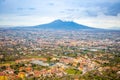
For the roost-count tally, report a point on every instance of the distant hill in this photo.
(62, 25)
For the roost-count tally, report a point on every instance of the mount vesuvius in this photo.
(62, 25)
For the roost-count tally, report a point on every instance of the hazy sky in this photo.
(94, 13)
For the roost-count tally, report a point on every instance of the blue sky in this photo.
(94, 13)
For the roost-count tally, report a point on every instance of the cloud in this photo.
(20, 8)
(24, 20)
(85, 10)
(31, 8)
(108, 7)
(101, 21)
(51, 4)
(1, 1)
(113, 9)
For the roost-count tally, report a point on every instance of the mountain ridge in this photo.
(62, 25)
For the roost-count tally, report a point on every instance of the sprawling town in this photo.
(59, 55)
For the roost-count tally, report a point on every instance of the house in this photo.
(28, 69)
(41, 63)
(37, 73)
(21, 75)
(3, 76)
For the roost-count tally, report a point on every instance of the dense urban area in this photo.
(34, 54)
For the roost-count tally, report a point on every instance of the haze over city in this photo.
(95, 13)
